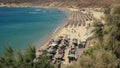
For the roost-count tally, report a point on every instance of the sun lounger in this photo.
(71, 57)
(59, 56)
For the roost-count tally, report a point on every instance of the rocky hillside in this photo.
(68, 3)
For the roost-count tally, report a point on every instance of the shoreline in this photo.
(77, 25)
(64, 9)
(44, 41)
(29, 5)
(52, 35)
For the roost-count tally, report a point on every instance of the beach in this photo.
(77, 26)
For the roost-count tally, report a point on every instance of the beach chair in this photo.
(71, 57)
(80, 45)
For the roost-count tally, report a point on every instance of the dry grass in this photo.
(66, 3)
(99, 59)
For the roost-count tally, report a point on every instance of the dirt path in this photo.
(66, 56)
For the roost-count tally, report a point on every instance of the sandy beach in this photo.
(78, 25)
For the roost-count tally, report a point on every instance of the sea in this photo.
(23, 27)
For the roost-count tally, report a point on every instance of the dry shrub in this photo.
(104, 59)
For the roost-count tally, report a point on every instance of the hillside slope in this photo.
(68, 3)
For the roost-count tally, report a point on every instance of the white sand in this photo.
(79, 32)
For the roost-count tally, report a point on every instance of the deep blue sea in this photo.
(20, 27)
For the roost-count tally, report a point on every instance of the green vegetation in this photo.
(106, 52)
(24, 59)
(44, 62)
(99, 31)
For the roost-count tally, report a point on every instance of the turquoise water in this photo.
(22, 26)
